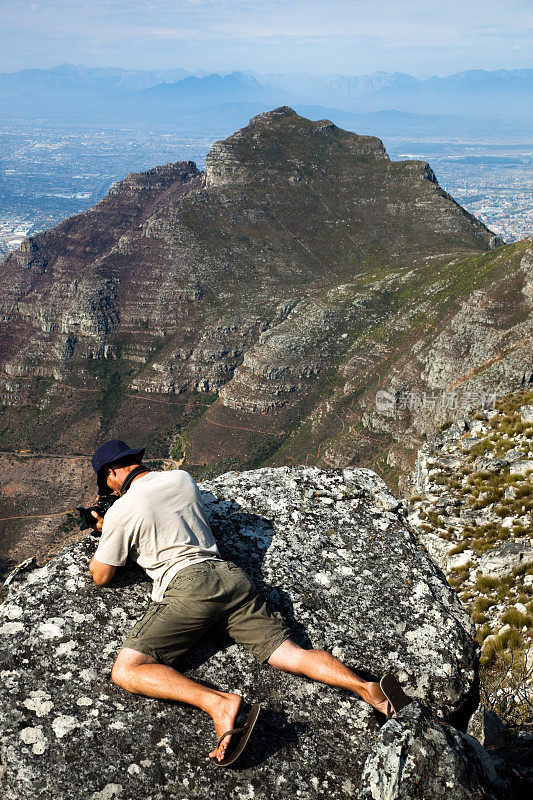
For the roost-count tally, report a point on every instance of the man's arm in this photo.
(102, 573)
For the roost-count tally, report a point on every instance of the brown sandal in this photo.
(233, 753)
(396, 697)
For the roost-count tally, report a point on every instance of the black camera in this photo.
(101, 507)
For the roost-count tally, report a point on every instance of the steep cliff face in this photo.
(491, 325)
(64, 284)
(245, 314)
(478, 348)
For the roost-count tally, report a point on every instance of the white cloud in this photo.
(351, 35)
(127, 32)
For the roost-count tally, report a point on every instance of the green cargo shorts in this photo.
(211, 595)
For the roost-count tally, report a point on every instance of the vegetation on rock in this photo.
(472, 504)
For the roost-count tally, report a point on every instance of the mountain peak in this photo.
(282, 145)
(281, 111)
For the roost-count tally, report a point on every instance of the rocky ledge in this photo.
(333, 555)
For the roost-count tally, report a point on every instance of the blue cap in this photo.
(108, 453)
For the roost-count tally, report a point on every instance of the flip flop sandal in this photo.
(396, 697)
(233, 752)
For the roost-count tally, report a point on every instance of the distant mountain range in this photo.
(471, 92)
(79, 94)
(69, 77)
(193, 92)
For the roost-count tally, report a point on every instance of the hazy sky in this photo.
(421, 37)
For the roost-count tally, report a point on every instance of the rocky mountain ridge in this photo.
(481, 353)
(145, 266)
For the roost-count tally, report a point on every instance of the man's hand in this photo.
(99, 521)
(102, 573)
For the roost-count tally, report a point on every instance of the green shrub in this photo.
(480, 448)
(506, 687)
(485, 584)
(501, 511)
(481, 545)
(507, 640)
(483, 603)
(515, 618)
(459, 548)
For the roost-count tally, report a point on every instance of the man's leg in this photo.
(323, 667)
(142, 674)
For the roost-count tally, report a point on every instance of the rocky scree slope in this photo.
(472, 506)
(334, 556)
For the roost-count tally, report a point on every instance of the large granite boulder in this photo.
(332, 554)
(418, 756)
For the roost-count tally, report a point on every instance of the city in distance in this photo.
(69, 133)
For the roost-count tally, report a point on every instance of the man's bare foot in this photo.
(375, 697)
(224, 715)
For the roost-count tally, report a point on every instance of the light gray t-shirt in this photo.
(161, 524)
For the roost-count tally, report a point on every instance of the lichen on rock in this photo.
(420, 756)
(332, 554)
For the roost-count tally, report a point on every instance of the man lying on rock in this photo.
(160, 523)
